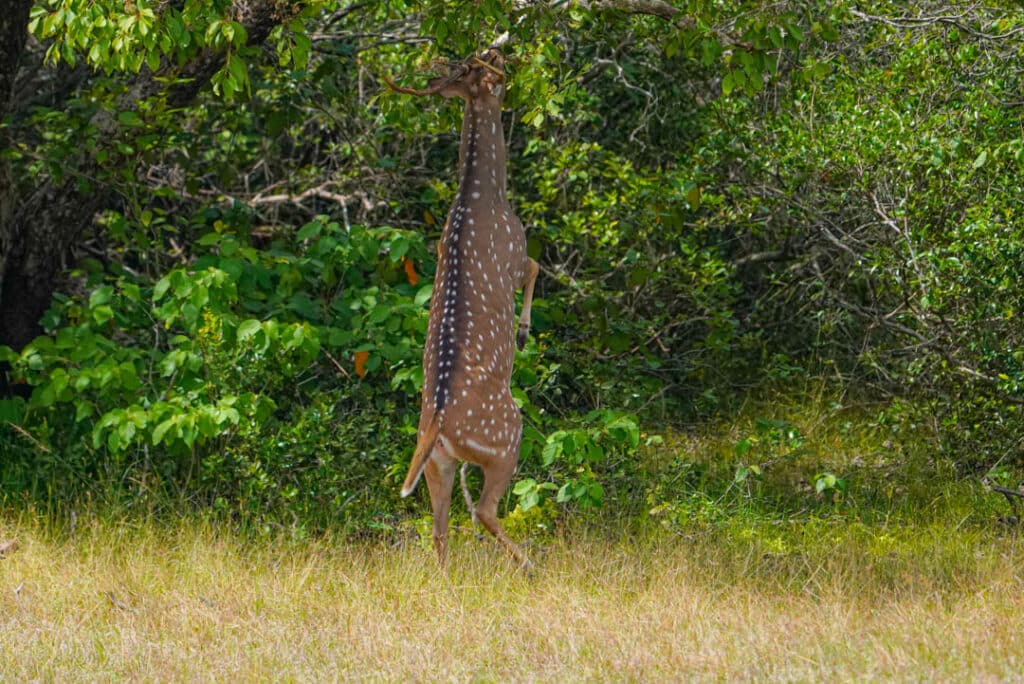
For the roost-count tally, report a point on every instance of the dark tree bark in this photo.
(13, 34)
(38, 229)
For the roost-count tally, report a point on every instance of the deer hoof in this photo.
(521, 338)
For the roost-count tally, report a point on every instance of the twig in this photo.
(1006, 491)
(1011, 496)
(337, 365)
(25, 433)
(116, 602)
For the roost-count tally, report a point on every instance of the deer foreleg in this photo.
(470, 506)
(532, 269)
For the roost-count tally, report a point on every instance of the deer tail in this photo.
(424, 445)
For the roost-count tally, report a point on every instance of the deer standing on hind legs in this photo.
(467, 412)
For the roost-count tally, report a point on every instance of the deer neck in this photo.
(482, 149)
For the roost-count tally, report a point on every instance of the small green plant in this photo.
(771, 442)
(569, 458)
(830, 486)
(1002, 475)
(530, 492)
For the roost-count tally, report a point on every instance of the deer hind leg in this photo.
(532, 269)
(498, 471)
(496, 479)
(440, 476)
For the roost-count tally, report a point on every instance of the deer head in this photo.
(475, 77)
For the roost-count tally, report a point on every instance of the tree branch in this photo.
(907, 22)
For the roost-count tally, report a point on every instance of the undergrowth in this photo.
(719, 556)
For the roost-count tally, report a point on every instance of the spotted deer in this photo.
(467, 411)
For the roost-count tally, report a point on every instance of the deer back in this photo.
(482, 260)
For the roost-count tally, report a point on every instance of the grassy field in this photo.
(805, 600)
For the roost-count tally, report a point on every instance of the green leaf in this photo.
(102, 314)
(101, 295)
(524, 486)
(12, 410)
(130, 119)
(43, 396)
(728, 83)
(131, 292)
(239, 71)
(161, 287)
(980, 160)
(264, 407)
(247, 329)
(423, 295)
(625, 430)
(83, 410)
(310, 230)
(552, 448)
(693, 198)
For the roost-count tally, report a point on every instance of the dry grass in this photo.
(196, 604)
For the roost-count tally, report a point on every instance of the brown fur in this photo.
(468, 413)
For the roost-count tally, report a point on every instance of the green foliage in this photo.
(889, 213)
(118, 37)
(208, 364)
(829, 485)
(731, 195)
(571, 456)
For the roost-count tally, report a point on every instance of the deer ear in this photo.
(497, 89)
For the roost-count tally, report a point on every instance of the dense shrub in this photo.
(761, 197)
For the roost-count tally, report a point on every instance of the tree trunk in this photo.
(13, 34)
(46, 226)
(39, 231)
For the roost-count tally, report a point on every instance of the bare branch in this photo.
(319, 191)
(907, 22)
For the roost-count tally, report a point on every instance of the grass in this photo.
(800, 601)
(909, 576)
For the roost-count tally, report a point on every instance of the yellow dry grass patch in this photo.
(195, 604)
